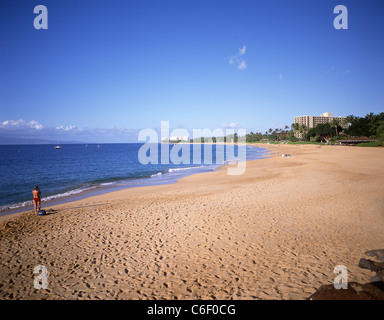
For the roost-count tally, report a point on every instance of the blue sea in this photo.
(80, 170)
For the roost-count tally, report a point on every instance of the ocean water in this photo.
(79, 170)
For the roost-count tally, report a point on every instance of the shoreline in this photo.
(275, 232)
(105, 189)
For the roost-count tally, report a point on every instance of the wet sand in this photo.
(275, 232)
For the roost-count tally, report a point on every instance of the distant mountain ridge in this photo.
(15, 140)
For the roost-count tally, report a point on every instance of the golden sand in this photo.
(275, 232)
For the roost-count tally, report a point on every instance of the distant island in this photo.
(18, 141)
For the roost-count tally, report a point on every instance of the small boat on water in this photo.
(57, 147)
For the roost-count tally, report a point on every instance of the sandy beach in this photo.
(275, 232)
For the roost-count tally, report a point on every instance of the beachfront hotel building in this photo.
(176, 138)
(179, 138)
(313, 121)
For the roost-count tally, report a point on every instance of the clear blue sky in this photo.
(103, 70)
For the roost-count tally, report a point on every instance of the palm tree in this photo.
(345, 123)
(335, 123)
(296, 127)
(277, 133)
(349, 119)
(286, 128)
(303, 129)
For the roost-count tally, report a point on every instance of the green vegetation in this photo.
(287, 142)
(324, 131)
(273, 135)
(228, 138)
(370, 126)
(370, 144)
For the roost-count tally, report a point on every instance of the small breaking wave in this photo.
(186, 168)
(156, 174)
(107, 183)
(52, 197)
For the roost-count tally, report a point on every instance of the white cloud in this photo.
(241, 64)
(68, 128)
(35, 125)
(14, 124)
(243, 50)
(231, 125)
(33, 129)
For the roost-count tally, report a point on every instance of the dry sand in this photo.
(275, 232)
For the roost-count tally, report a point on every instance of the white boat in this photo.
(57, 147)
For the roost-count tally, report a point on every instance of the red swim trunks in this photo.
(36, 199)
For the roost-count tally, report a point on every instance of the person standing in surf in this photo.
(36, 198)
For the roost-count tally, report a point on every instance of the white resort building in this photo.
(176, 139)
(313, 121)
